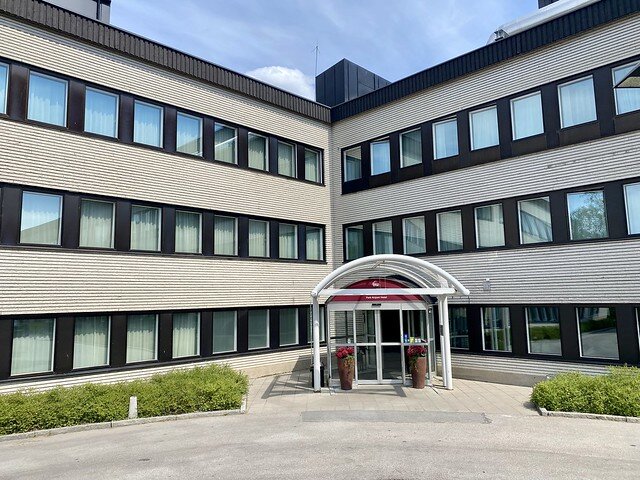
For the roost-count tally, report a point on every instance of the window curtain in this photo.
(145, 228)
(314, 244)
(258, 238)
(527, 116)
(352, 164)
(226, 139)
(411, 148)
(535, 221)
(100, 113)
(380, 157)
(414, 235)
(4, 81)
(147, 124)
(497, 329)
(450, 231)
(587, 215)
(286, 160)
(188, 232)
(446, 139)
(141, 338)
(189, 134)
(258, 325)
(383, 238)
(458, 327)
(91, 342)
(598, 333)
(47, 100)
(288, 326)
(257, 152)
(627, 99)
(288, 241)
(577, 103)
(224, 331)
(41, 215)
(311, 165)
(490, 226)
(186, 334)
(96, 224)
(544, 330)
(632, 196)
(224, 236)
(355, 243)
(484, 128)
(32, 350)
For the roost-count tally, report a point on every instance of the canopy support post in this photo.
(315, 315)
(445, 343)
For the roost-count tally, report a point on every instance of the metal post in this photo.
(315, 315)
(445, 342)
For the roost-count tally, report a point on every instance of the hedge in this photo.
(616, 393)
(200, 389)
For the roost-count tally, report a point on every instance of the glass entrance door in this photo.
(379, 346)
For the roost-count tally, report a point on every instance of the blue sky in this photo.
(273, 40)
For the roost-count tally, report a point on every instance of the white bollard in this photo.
(133, 407)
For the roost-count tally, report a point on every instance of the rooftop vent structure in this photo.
(95, 9)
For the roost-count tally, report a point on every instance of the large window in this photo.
(449, 226)
(577, 102)
(288, 241)
(32, 350)
(4, 87)
(186, 334)
(526, 116)
(145, 228)
(587, 215)
(258, 152)
(484, 128)
(458, 327)
(535, 220)
(286, 159)
(288, 326)
(258, 238)
(147, 124)
(312, 166)
(315, 244)
(496, 329)
(41, 218)
(411, 148)
(323, 325)
(632, 201)
(627, 99)
(414, 235)
(445, 139)
(142, 338)
(380, 157)
(352, 164)
(189, 134)
(382, 237)
(355, 242)
(598, 334)
(543, 330)
(188, 236)
(96, 224)
(91, 341)
(226, 141)
(489, 226)
(101, 113)
(258, 326)
(225, 327)
(225, 235)
(47, 99)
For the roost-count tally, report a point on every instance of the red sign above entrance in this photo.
(381, 283)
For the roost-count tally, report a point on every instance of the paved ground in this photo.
(286, 435)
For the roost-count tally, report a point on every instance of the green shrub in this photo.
(200, 389)
(617, 393)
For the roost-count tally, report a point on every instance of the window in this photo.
(189, 134)
(288, 241)
(258, 238)
(484, 128)
(445, 139)
(323, 326)
(411, 148)
(352, 164)
(587, 215)
(288, 326)
(355, 242)
(226, 141)
(186, 334)
(258, 152)
(489, 226)
(380, 157)
(225, 235)
(598, 334)
(526, 116)
(41, 218)
(543, 330)
(96, 224)
(91, 341)
(496, 326)
(382, 237)
(458, 327)
(258, 326)
(188, 237)
(142, 338)
(4, 87)
(315, 244)
(32, 350)
(47, 99)
(577, 102)
(101, 113)
(535, 220)
(632, 201)
(312, 170)
(225, 328)
(145, 228)
(449, 231)
(147, 124)
(414, 234)
(627, 99)
(286, 159)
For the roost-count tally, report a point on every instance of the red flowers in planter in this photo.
(417, 351)
(344, 352)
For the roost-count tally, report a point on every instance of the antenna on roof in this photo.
(317, 51)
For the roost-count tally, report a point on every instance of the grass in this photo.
(200, 389)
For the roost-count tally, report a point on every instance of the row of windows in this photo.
(587, 219)
(577, 104)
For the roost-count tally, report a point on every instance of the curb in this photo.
(592, 416)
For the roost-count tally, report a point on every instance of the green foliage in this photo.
(617, 393)
(201, 389)
(544, 332)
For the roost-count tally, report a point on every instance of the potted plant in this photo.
(417, 365)
(346, 364)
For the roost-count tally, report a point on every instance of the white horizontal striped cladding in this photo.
(34, 281)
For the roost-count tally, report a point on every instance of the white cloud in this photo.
(290, 79)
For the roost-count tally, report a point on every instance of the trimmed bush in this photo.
(198, 390)
(617, 393)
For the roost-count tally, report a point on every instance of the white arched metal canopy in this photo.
(431, 280)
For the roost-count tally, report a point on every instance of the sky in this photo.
(274, 40)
